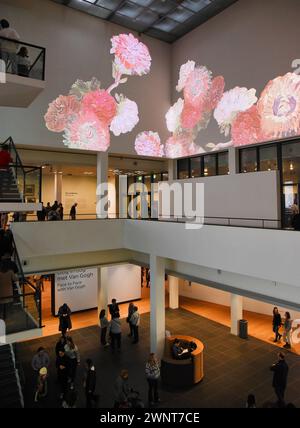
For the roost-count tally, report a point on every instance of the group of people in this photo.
(112, 330)
(8, 271)
(16, 59)
(55, 212)
(278, 322)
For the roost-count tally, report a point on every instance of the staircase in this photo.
(9, 191)
(11, 396)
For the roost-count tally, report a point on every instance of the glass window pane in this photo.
(147, 182)
(291, 162)
(210, 165)
(223, 163)
(165, 176)
(183, 168)
(196, 167)
(248, 160)
(268, 158)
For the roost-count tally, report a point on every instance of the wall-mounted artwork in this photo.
(89, 113)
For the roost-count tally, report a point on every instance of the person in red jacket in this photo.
(5, 158)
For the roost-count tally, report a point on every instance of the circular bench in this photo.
(182, 372)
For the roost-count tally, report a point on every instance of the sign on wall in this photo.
(77, 288)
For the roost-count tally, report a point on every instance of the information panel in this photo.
(77, 288)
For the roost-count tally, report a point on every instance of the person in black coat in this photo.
(89, 384)
(65, 322)
(280, 370)
(296, 222)
(62, 366)
(277, 323)
(114, 309)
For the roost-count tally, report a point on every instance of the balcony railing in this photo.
(23, 59)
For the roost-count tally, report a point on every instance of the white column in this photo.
(236, 313)
(157, 303)
(233, 161)
(173, 292)
(102, 289)
(58, 187)
(102, 178)
(172, 169)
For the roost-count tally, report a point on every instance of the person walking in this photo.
(152, 376)
(115, 332)
(280, 376)
(40, 359)
(60, 345)
(104, 323)
(89, 384)
(65, 322)
(287, 325)
(42, 385)
(135, 321)
(62, 366)
(277, 322)
(130, 312)
(114, 308)
(72, 353)
(121, 390)
(5, 158)
(73, 211)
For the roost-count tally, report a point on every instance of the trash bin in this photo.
(243, 329)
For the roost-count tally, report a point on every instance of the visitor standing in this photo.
(152, 376)
(121, 389)
(277, 322)
(60, 345)
(9, 48)
(40, 359)
(135, 321)
(73, 211)
(114, 308)
(280, 370)
(89, 384)
(130, 312)
(5, 158)
(115, 332)
(287, 330)
(65, 322)
(42, 385)
(104, 323)
(72, 352)
(62, 366)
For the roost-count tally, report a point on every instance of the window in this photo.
(196, 167)
(268, 158)
(165, 176)
(183, 169)
(223, 163)
(210, 165)
(248, 160)
(291, 162)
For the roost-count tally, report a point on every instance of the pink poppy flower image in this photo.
(127, 116)
(185, 71)
(87, 132)
(279, 107)
(131, 56)
(233, 102)
(190, 116)
(197, 86)
(174, 114)
(148, 144)
(102, 104)
(215, 93)
(246, 127)
(180, 145)
(60, 111)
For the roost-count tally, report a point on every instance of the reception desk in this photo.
(182, 372)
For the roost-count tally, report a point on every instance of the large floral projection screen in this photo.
(89, 113)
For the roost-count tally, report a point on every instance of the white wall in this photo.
(213, 295)
(250, 196)
(249, 43)
(78, 46)
(124, 283)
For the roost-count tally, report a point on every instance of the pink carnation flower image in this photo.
(102, 104)
(279, 107)
(185, 71)
(190, 116)
(246, 127)
(148, 144)
(87, 132)
(173, 115)
(131, 56)
(215, 93)
(127, 116)
(181, 145)
(60, 112)
(197, 86)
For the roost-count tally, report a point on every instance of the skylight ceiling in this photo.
(167, 20)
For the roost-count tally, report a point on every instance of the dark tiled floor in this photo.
(233, 367)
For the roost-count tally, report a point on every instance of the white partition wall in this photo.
(123, 282)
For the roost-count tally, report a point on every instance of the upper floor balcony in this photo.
(22, 72)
